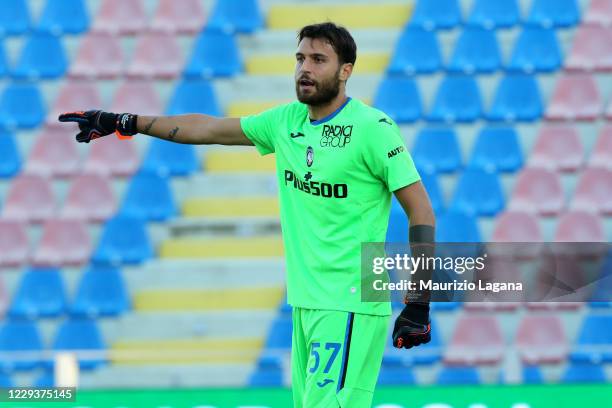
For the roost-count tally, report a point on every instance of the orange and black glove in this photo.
(96, 123)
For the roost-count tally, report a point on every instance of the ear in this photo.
(345, 71)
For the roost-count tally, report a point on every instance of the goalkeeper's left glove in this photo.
(412, 326)
(95, 124)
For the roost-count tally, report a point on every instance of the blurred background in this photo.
(159, 267)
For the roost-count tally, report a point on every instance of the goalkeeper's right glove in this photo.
(412, 326)
(96, 123)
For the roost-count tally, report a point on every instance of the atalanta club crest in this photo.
(309, 156)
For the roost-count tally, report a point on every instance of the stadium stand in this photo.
(476, 51)
(41, 293)
(15, 18)
(64, 242)
(494, 14)
(399, 98)
(64, 17)
(181, 278)
(157, 55)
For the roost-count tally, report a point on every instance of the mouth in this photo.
(306, 84)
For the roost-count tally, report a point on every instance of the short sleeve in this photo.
(260, 128)
(387, 156)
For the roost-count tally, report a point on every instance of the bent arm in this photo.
(194, 129)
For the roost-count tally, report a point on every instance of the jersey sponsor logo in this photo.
(395, 151)
(309, 156)
(294, 135)
(336, 135)
(315, 188)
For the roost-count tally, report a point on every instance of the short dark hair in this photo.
(338, 37)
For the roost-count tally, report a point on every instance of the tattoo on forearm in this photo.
(173, 133)
(149, 126)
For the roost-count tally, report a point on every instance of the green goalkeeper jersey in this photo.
(335, 179)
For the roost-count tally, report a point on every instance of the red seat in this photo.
(476, 340)
(112, 156)
(125, 17)
(516, 226)
(599, 12)
(580, 226)
(157, 55)
(541, 339)
(538, 190)
(74, 96)
(182, 17)
(558, 147)
(560, 279)
(601, 156)
(575, 97)
(502, 268)
(90, 198)
(14, 243)
(64, 242)
(30, 199)
(54, 154)
(594, 191)
(592, 49)
(99, 56)
(609, 111)
(137, 96)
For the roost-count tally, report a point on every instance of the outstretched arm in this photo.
(186, 129)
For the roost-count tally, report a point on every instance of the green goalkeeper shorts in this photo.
(336, 357)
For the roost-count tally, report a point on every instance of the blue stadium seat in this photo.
(399, 98)
(394, 371)
(14, 17)
(397, 230)
(536, 50)
(455, 226)
(595, 332)
(6, 381)
(457, 100)
(458, 376)
(64, 17)
(554, 13)
(4, 67)
(45, 380)
(430, 181)
(497, 149)
(600, 298)
(436, 14)
(101, 292)
(124, 241)
(21, 106)
(416, 52)
(584, 373)
(494, 14)
(436, 150)
(19, 335)
(174, 159)
(193, 96)
(279, 336)
(80, 334)
(478, 192)
(268, 373)
(41, 293)
(10, 160)
(215, 54)
(149, 197)
(517, 98)
(476, 51)
(43, 56)
(239, 15)
(532, 374)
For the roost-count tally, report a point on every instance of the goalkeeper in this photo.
(338, 161)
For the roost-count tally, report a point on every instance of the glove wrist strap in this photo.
(126, 125)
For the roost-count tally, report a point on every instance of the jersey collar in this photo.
(331, 115)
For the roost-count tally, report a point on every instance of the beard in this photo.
(324, 92)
